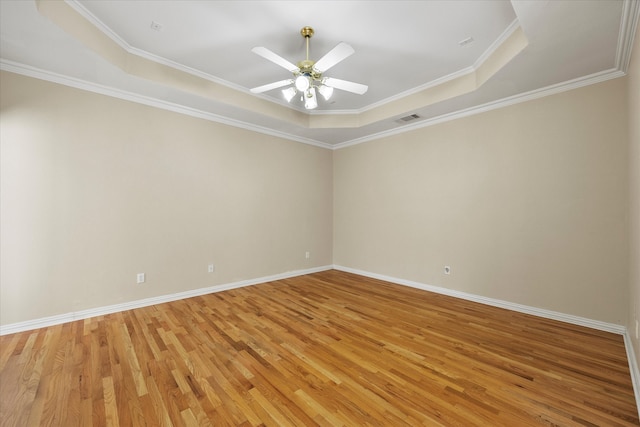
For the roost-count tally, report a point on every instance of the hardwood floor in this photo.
(327, 349)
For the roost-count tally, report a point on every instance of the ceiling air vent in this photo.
(407, 119)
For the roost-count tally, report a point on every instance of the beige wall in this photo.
(634, 213)
(96, 189)
(527, 204)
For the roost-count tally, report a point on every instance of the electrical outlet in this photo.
(307, 255)
(140, 278)
(447, 269)
(211, 268)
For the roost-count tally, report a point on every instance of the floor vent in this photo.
(408, 118)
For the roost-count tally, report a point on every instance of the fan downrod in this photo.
(306, 65)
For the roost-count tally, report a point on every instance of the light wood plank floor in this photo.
(327, 349)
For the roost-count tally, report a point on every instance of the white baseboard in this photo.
(540, 312)
(85, 314)
(633, 368)
(554, 315)
(100, 311)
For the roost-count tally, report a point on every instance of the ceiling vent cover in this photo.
(407, 119)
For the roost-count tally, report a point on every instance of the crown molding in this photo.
(497, 43)
(494, 105)
(629, 19)
(78, 7)
(29, 71)
(40, 74)
(84, 12)
(449, 77)
(628, 25)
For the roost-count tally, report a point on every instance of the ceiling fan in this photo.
(307, 74)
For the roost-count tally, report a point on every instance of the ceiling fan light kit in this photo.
(307, 74)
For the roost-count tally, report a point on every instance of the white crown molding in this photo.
(449, 77)
(84, 12)
(505, 102)
(101, 311)
(628, 24)
(418, 89)
(497, 43)
(78, 7)
(40, 74)
(37, 73)
(540, 312)
(629, 20)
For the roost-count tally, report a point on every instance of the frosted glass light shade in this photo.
(302, 83)
(289, 93)
(310, 100)
(325, 91)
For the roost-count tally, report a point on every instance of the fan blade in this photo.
(271, 86)
(275, 58)
(346, 85)
(335, 55)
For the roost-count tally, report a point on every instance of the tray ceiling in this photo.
(424, 61)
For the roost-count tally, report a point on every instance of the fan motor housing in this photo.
(306, 67)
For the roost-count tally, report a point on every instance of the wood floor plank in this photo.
(326, 349)
(111, 408)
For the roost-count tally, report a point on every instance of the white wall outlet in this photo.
(307, 255)
(447, 269)
(212, 268)
(140, 278)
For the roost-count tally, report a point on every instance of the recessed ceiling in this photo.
(434, 59)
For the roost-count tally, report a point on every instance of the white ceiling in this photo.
(401, 48)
